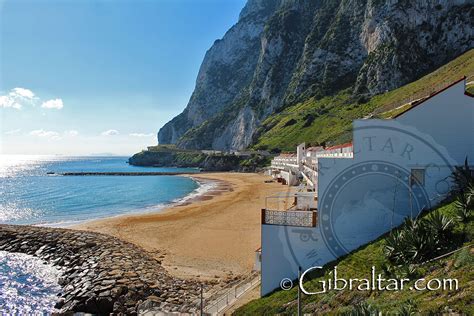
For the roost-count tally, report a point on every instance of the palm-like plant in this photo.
(470, 194)
(407, 310)
(418, 239)
(461, 208)
(440, 224)
(419, 243)
(363, 309)
(394, 246)
(462, 177)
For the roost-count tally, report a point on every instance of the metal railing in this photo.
(214, 307)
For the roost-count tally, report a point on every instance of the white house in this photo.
(394, 168)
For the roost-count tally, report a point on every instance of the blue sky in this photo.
(81, 77)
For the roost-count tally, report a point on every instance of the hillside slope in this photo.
(329, 120)
(284, 52)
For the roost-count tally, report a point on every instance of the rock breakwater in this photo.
(101, 274)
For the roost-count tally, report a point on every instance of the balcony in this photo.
(289, 218)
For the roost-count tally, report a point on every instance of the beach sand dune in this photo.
(211, 237)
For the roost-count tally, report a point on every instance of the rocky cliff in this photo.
(286, 51)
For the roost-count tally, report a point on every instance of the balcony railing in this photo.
(289, 218)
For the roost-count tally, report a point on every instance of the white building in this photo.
(393, 169)
(285, 168)
(290, 168)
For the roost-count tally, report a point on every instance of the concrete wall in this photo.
(290, 177)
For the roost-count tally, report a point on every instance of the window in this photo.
(417, 177)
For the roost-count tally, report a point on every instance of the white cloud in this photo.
(53, 135)
(17, 98)
(14, 131)
(22, 92)
(141, 135)
(71, 133)
(53, 104)
(6, 102)
(46, 134)
(110, 132)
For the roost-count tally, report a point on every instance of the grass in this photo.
(470, 87)
(328, 120)
(459, 265)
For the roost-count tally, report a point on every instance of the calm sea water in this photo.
(30, 196)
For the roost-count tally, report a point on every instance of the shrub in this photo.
(419, 239)
(290, 122)
(362, 309)
(407, 309)
(309, 119)
(465, 203)
(440, 224)
(464, 257)
(462, 177)
(463, 208)
(410, 271)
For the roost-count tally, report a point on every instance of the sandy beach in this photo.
(213, 236)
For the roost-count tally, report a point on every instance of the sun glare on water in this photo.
(11, 165)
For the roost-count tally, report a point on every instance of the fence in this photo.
(218, 305)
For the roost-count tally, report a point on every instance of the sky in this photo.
(85, 77)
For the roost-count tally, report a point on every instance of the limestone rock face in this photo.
(284, 51)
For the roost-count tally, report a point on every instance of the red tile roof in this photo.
(339, 146)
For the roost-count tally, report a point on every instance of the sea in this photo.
(33, 191)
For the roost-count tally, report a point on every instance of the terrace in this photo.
(294, 209)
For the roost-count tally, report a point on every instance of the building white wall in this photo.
(361, 198)
(284, 249)
(449, 118)
(290, 177)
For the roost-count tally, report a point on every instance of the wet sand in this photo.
(212, 236)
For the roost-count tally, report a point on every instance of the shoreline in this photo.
(207, 237)
(205, 187)
(157, 208)
(211, 236)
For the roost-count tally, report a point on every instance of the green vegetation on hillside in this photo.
(170, 148)
(328, 120)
